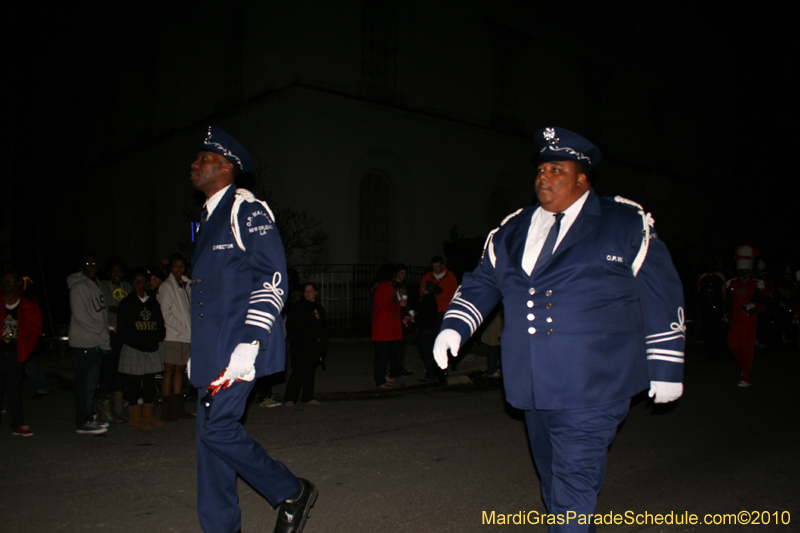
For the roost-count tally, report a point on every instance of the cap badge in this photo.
(550, 136)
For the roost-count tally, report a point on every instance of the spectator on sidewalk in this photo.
(22, 327)
(308, 340)
(387, 329)
(88, 341)
(445, 280)
(111, 382)
(175, 297)
(140, 326)
(397, 366)
(157, 275)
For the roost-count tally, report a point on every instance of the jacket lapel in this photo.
(583, 225)
(218, 218)
(518, 237)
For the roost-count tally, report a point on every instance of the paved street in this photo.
(420, 460)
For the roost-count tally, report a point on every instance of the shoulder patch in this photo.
(489, 244)
(647, 223)
(242, 196)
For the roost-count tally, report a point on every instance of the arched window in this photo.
(377, 231)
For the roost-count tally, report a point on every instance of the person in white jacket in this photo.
(174, 295)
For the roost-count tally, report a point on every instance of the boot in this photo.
(148, 415)
(136, 421)
(168, 409)
(180, 408)
(117, 406)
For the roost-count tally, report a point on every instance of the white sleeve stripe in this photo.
(250, 322)
(255, 320)
(261, 319)
(665, 339)
(262, 313)
(469, 307)
(464, 317)
(665, 358)
(665, 352)
(267, 295)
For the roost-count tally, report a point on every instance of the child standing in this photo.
(140, 327)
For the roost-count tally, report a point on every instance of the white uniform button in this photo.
(549, 319)
(530, 303)
(531, 330)
(548, 293)
(531, 317)
(531, 291)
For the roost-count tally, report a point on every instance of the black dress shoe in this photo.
(294, 511)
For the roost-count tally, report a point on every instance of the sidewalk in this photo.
(349, 371)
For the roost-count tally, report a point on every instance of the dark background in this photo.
(741, 64)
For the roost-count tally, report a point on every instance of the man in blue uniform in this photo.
(593, 315)
(237, 335)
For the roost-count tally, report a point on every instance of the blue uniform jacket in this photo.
(238, 288)
(591, 327)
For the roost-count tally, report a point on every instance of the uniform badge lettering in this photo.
(251, 217)
(615, 258)
(262, 230)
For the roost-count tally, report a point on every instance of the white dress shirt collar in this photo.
(212, 202)
(541, 222)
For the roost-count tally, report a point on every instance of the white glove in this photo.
(241, 368)
(665, 391)
(447, 339)
(189, 369)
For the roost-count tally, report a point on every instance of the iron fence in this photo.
(345, 290)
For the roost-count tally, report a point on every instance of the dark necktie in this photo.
(549, 244)
(203, 218)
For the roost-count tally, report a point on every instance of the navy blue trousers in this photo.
(570, 447)
(225, 450)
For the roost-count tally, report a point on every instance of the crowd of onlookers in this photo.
(128, 328)
(394, 316)
(121, 335)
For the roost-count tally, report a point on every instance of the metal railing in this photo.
(344, 292)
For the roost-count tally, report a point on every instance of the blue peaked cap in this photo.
(558, 144)
(221, 143)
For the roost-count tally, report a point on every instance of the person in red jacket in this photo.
(387, 327)
(22, 327)
(445, 280)
(746, 298)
